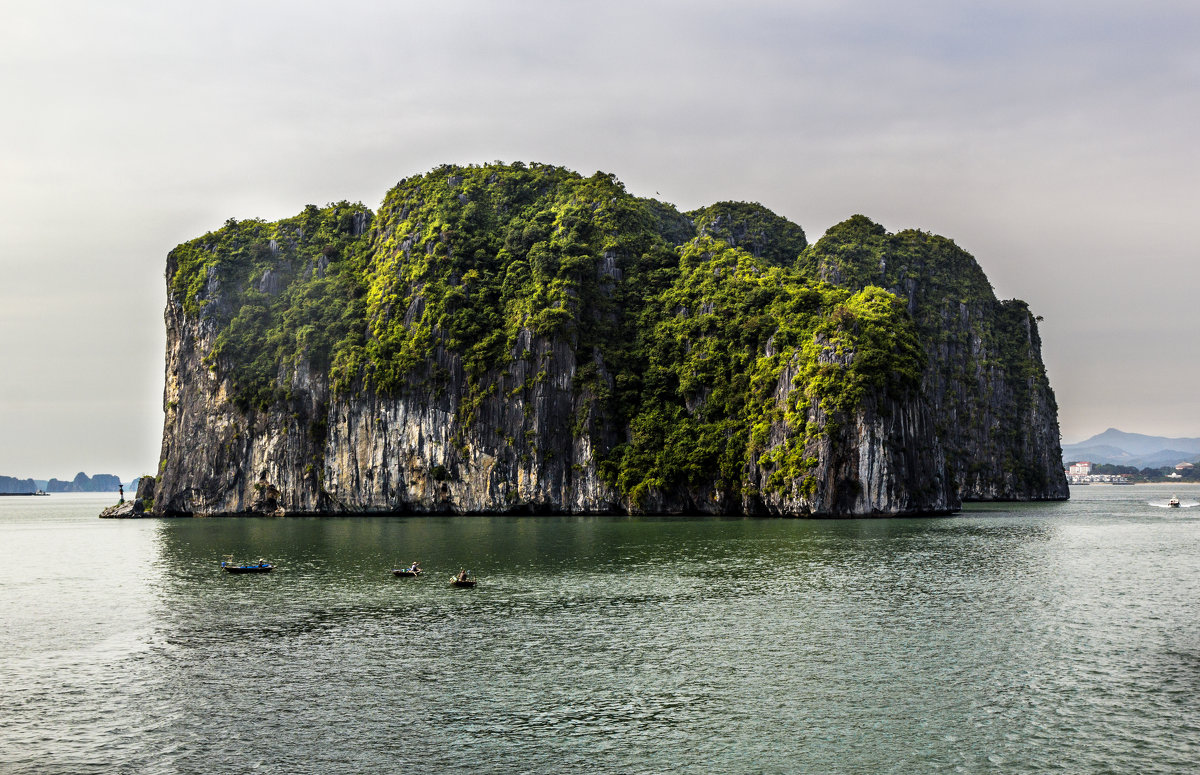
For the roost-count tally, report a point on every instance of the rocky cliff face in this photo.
(997, 418)
(513, 339)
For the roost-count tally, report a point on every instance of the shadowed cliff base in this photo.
(507, 339)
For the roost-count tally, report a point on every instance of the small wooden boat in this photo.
(262, 566)
(462, 581)
(406, 573)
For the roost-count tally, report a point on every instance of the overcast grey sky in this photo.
(1055, 141)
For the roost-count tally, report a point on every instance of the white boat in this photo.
(1173, 503)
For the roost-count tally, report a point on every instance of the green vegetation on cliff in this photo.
(681, 326)
(282, 295)
(465, 259)
(754, 228)
(714, 345)
(984, 362)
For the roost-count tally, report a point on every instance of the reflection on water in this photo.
(1012, 638)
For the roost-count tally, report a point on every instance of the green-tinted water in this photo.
(1013, 638)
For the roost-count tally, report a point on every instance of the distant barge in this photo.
(39, 492)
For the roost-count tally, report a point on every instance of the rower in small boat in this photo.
(410, 571)
(262, 566)
(463, 579)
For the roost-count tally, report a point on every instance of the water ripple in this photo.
(1033, 639)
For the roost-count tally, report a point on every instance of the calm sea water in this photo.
(1028, 638)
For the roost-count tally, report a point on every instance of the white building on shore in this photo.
(1081, 473)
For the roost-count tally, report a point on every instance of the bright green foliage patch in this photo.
(467, 258)
(716, 343)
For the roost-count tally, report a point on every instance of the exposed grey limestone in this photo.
(127, 510)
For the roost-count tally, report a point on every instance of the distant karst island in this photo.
(11, 485)
(513, 338)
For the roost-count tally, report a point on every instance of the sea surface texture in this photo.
(1031, 638)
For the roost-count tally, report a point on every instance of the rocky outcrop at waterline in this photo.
(522, 339)
(138, 506)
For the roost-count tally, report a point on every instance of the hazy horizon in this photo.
(1053, 144)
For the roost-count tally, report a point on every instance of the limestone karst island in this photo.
(523, 339)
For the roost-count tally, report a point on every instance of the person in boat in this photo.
(414, 568)
(462, 575)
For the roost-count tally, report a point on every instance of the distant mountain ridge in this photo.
(81, 483)
(1133, 449)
